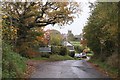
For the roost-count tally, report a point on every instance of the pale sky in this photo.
(78, 23)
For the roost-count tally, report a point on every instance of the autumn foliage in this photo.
(83, 42)
(31, 53)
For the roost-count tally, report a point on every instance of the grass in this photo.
(90, 54)
(77, 58)
(0, 68)
(75, 43)
(59, 58)
(13, 64)
(113, 72)
(40, 58)
(54, 57)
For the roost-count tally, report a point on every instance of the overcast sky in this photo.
(78, 24)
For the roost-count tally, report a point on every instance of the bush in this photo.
(113, 61)
(72, 54)
(46, 55)
(13, 64)
(55, 49)
(30, 53)
(78, 49)
(59, 50)
(63, 51)
(59, 57)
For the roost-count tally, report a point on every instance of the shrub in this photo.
(59, 57)
(46, 55)
(72, 54)
(30, 53)
(13, 64)
(113, 60)
(55, 49)
(59, 50)
(78, 49)
(63, 51)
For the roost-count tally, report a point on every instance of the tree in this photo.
(101, 30)
(83, 43)
(27, 15)
(55, 38)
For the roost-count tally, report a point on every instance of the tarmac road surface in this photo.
(66, 69)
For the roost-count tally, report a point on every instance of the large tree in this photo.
(24, 16)
(55, 38)
(101, 30)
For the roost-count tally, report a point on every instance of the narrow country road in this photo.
(66, 69)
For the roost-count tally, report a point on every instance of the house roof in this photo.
(67, 44)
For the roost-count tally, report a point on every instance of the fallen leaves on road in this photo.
(31, 67)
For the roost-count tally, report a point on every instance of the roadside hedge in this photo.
(59, 50)
(13, 65)
(71, 54)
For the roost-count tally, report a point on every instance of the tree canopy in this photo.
(20, 17)
(102, 29)
(31, 14)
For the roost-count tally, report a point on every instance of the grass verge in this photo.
(108, 70)
(13, 65)
(59, 58)
(90, 54)
(75, 43)
(54, 57)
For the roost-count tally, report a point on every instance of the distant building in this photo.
(69, 46)
(64, 37)
(70, 36)
(69, 32)
(79, 37)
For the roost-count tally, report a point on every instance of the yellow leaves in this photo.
(37, 29)
(63, 15)
(31, 53)
(39, 38)
(42, 39)
(62, 4)
(83, 42)
(102, 15)
(13, 29)
(62, 9)
(58, 0)
(10, 32)
(0, 27)
(29, 20)
(5, 16)
(113, 30)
